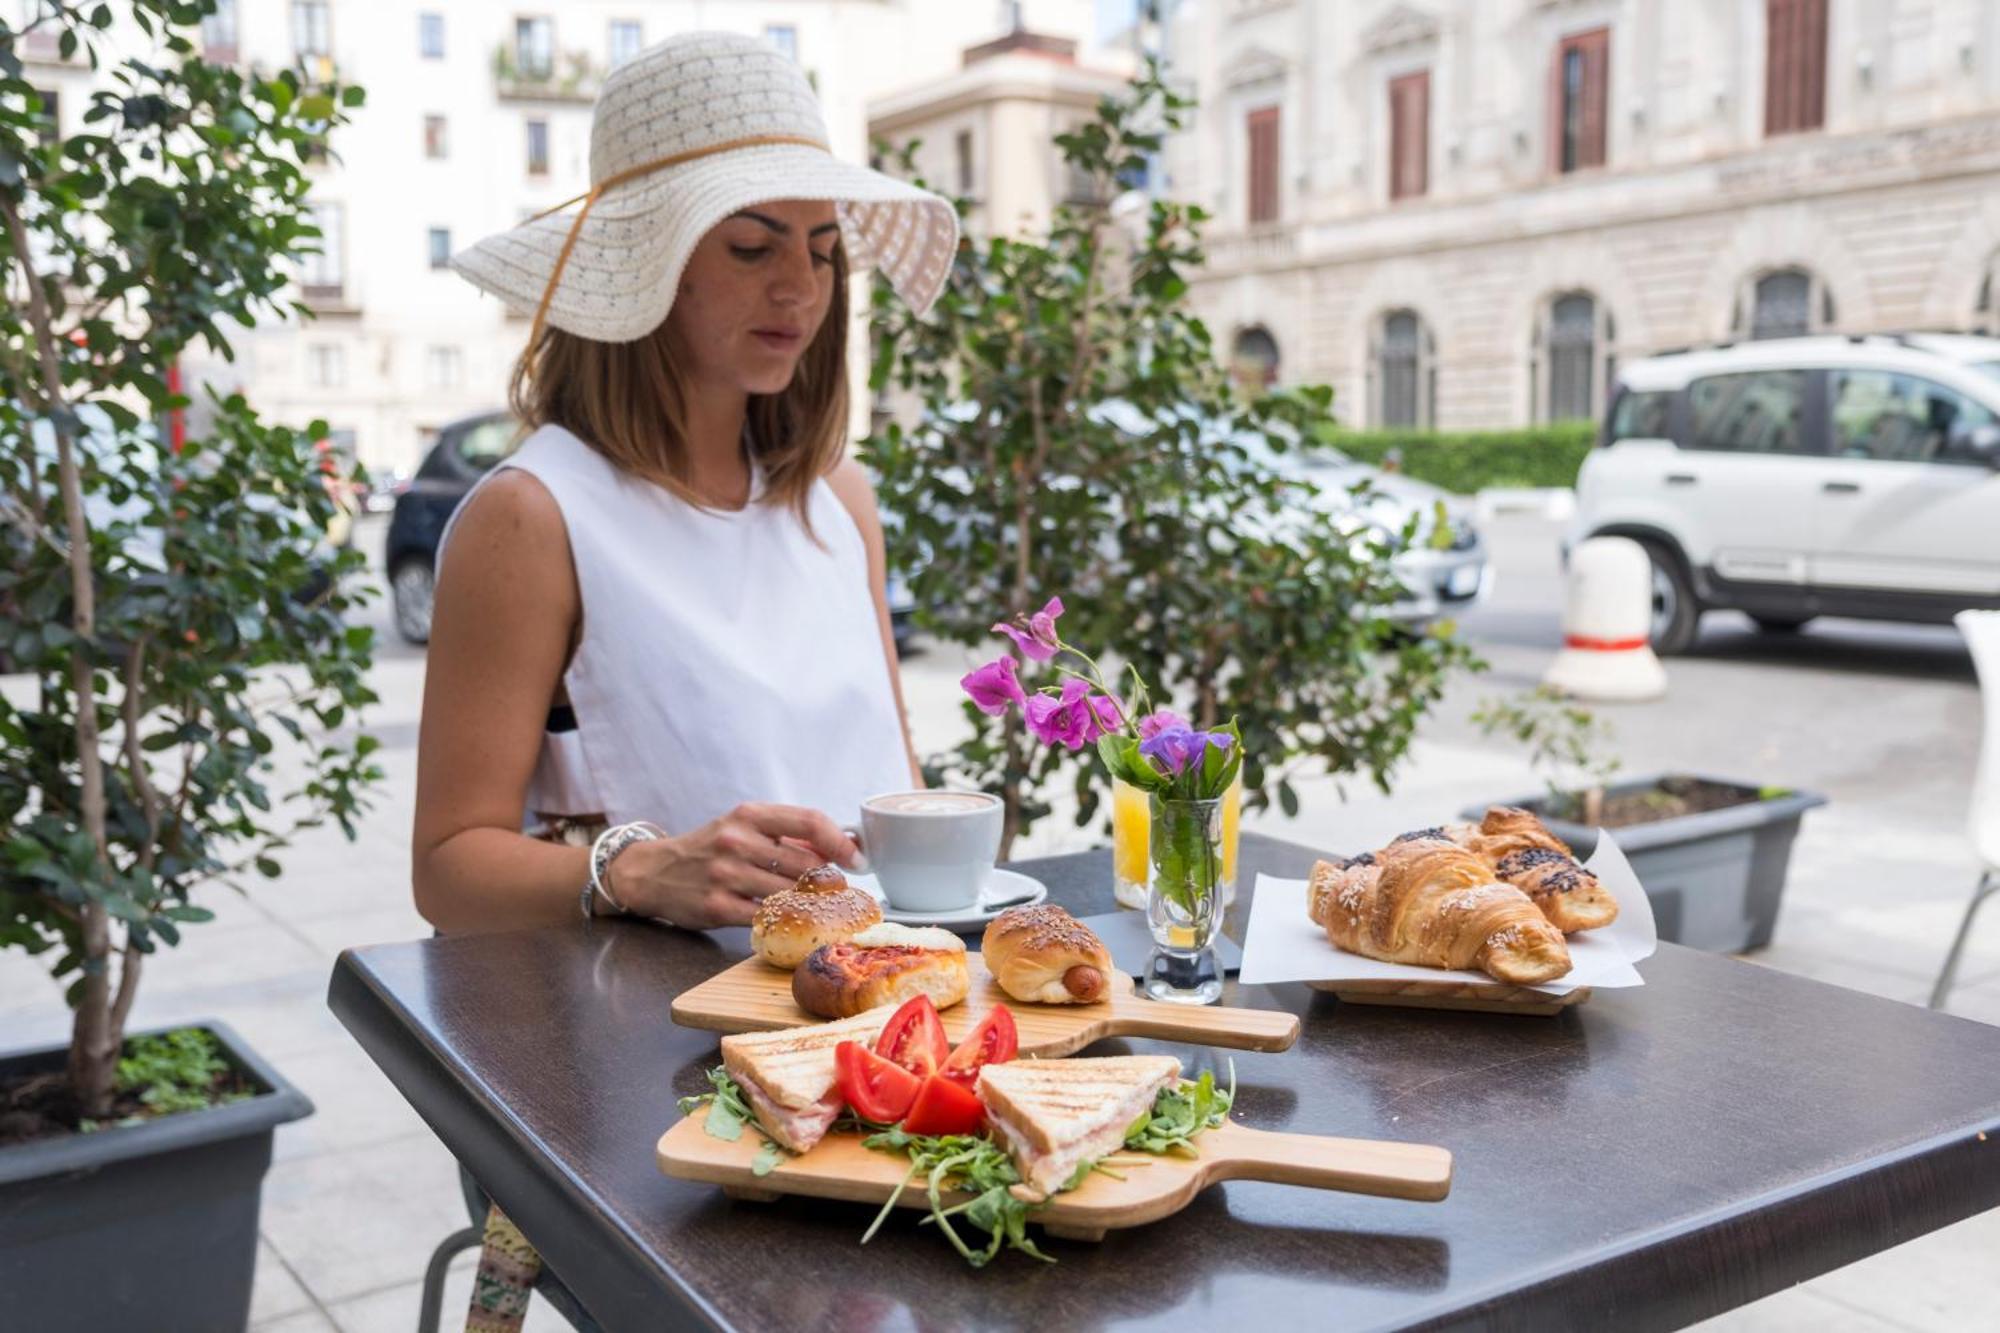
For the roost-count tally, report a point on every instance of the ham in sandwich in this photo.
(788, 1076)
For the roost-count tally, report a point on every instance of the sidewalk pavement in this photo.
(1882, 720)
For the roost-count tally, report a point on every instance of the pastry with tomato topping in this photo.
(791, 1077)
(822, 908)
(1042, 955)
(883, 964)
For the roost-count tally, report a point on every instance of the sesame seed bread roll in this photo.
(1043, 955)
(822, 908)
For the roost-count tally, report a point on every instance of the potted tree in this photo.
(178, 623)
(1065, 428)
(1711, 853)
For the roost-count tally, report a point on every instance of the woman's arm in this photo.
(506, 611)
(503, 629)
(857, 494)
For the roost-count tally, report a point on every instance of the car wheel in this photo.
(1782, 624)
(1676, 610)
(412, 588)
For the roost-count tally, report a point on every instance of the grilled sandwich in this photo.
(788, 1076)
(1054, 1115)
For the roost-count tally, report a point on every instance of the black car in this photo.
(466, 450)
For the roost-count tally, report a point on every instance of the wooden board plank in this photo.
(1496, 998)
(753, 996)
(840, 1168)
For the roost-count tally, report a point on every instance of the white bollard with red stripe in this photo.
(1607, 620)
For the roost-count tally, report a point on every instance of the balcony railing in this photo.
(571, 76)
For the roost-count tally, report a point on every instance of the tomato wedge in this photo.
(994, 1042)
(872, 1087)
(943, 1107)
(914, 1037)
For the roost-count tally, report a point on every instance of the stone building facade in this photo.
(1464, 213)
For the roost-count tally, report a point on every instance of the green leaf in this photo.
(268, 868)
(767, 1159)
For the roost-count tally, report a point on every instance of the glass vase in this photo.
(1131, 832)
(1184, 900)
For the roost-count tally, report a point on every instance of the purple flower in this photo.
(1074, 719)
(1035, 635)
(1174, 749)
(1110, 715)
(994, 687)
(1161, 720)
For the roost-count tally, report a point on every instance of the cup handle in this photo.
(854, 831)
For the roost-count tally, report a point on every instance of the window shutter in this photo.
(1263, 184)
(1794, 65)
(1409, 135)
(1810, 60)
(1596, 49)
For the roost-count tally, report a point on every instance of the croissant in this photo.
(1427, 902)
(1520, 850)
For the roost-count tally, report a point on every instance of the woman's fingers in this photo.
(728, 909)
(811, 827)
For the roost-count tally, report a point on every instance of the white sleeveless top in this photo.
(725, 657)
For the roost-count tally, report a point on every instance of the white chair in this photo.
(1982, 634)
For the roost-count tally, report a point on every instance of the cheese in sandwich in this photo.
(788, 1076)
(1054, 1115)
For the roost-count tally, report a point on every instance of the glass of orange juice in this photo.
(1131, 829)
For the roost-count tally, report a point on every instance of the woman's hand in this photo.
(715, 875)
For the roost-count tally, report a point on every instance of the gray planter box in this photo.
(1714, 878)
(149, 1226)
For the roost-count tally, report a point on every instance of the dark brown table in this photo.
(1642, 1161)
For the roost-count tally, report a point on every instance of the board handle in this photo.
(1207, 1025)
(1358, 1166)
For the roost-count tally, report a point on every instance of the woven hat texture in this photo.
(689, 93)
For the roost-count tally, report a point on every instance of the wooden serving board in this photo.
(753, 996)
(838, 1167)
(1488, 997)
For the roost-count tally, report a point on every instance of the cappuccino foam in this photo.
(931, 803)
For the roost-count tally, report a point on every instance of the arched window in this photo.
(1253, 360)
(1570, 360)
(1405, 373)
(1784, 303)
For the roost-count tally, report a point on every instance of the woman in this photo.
(664, 616)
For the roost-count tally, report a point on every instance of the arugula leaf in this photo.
(974, 1164)
(1180, 1112)
(767, 1158)
(728, 1111)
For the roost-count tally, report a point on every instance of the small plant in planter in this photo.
(168, 592)
(1712, 854)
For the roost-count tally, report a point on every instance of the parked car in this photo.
(467, 450)
(1801, 477)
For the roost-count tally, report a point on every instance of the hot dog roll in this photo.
(1043, 955)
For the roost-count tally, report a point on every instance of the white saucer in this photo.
(1004, 889)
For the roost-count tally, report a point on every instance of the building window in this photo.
(627, 40)
(312, 29)
(218, 33)
(1582, 92)
(436, 142)
(1794, 65)
(1410, 135)
(430, 36)
(444, 368)
(1785, 303)
(322, 273)
(1253, 360)
(1572, 361)
(326, 366)
(50, 115)
(961, 147)
(1405, 373)
(538, 148)
(440, 247)
(535, 47)
(1263, 190)
(785, 37)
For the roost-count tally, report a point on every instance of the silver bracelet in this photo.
(604, 851)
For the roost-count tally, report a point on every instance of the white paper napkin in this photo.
(1281, 943)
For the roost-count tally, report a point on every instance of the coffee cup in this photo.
(931, 851)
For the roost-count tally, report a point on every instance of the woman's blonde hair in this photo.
(627, 401)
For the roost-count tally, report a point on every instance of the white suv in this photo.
(1799, 477)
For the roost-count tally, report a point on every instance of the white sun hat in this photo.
(685, 134)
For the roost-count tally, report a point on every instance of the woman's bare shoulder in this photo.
(855, 490)
(510, 537)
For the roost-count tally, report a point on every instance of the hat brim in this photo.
(619, 281)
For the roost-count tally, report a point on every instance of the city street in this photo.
(1880, 719)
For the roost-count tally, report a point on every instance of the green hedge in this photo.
(1469, 461)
